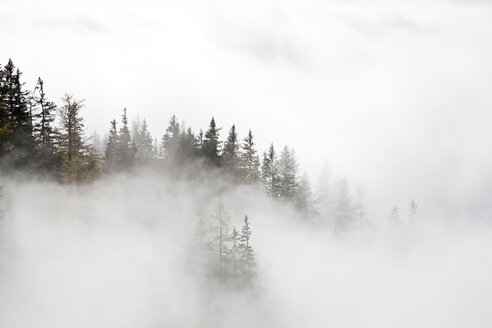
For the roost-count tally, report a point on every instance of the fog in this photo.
(393, 95)
(116, 253)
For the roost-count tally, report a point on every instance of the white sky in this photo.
(394, 94)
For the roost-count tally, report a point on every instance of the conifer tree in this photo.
(343, 210)
(247, 261)
(303, 199)
(250, 162)
(125, 148)
(288, 174)
(111, 148)
(5, 127)
(79, 163)
(412, 210)
(15, 100)
(44, 116)
(221, 219)
(144, 144)
(211, 144)
(170, 142)
(270, 173)
(230, 154)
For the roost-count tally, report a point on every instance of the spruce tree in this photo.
(270, 173)
(125, 148)
(247, 261)
(288, 174)
(249, 160)
(15, 100)
(44, 115)
(144, 145)
(211, 144)
(5, 126)
(343, 208)
(230, 153)
(79, 163)
(111, 148)
(170, 142)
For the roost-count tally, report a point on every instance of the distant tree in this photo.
(247, 262)
(144, 144)
(303, 198)
(394, 215)
(230, 153)
(360, 207)
(79, 163)
(249, 160)
(211, 144)
(170, 142)
(19, 131)
(221, 218)
(125, 148)
(412, 210)
(343, 208)
(270, 173)
(43, 112)
(110, 157)
(288, 174)
(5, 126)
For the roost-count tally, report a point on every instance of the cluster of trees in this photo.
(226, 254)
(29, 139)
(36, 135)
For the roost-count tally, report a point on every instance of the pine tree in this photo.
(170, 142)
(288, 174)
(5, 126)
(44, 115)
(250, 162)
(247, 261)
(270, 173)
(221, 219)
(343, 208)
(303, 199)
(21, 139)
(144, 145)
(230, 154)
(211, 144)
(125, 148)
(412, 210)
(111, 148)
(79, 163)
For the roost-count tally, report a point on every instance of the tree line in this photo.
(41, 137)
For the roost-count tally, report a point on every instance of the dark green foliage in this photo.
(211, 144)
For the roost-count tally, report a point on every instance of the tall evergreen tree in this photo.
(343, 208)
(78, 161)
(270, 173)
(170, 142)
(20, 121)
(144, 145)
(125, 147)
(211, 144)
(303, 198)
(5, 126)
(247, 262)
(288, 174)
(230, 153)
(43, 112)
(250, 162)
(111, 148)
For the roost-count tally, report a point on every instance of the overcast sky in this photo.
(393, 94)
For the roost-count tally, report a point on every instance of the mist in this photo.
(117, 253)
